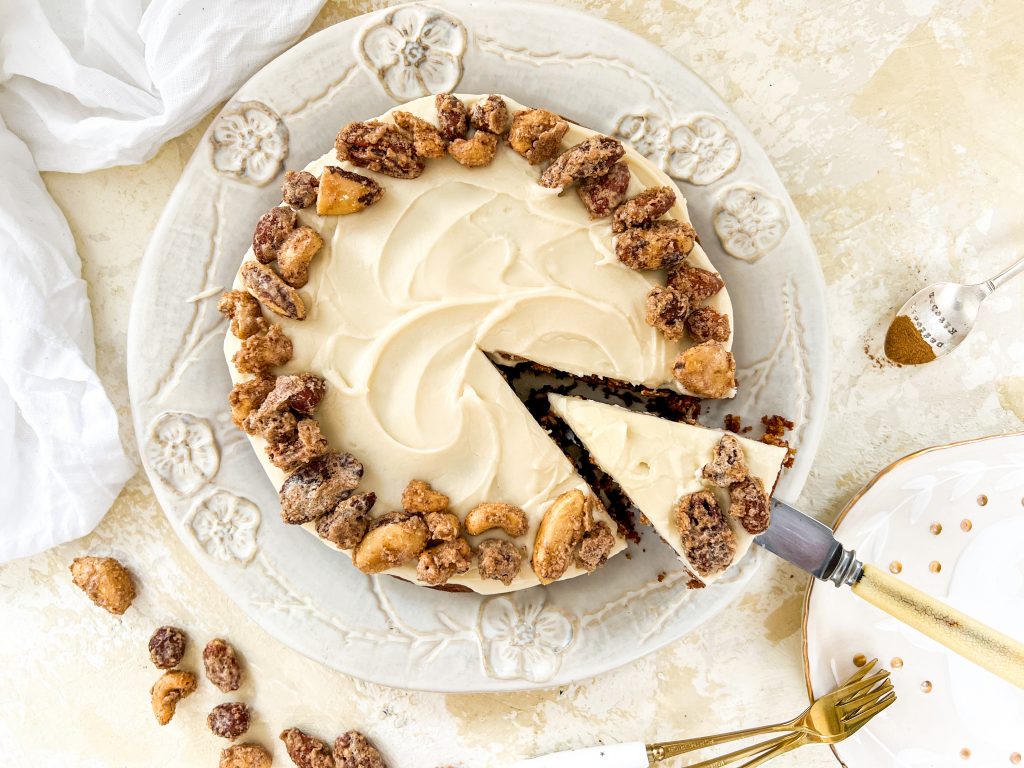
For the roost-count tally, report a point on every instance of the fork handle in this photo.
(976, 642)
(630, 755)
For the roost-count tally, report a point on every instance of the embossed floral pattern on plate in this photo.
(182, 451)
(522, 638)
(700, 151)
(749, 222)
(225, 526)
(250, 143)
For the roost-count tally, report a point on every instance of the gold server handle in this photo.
(977, 642)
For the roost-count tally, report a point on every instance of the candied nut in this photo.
(499, 559)
(439, 563)
(307, 444)
(560, 532)
(244, 756)
(594, 156)
(661, 245)
(353, 750)
(697, 283)
(537, 134)
(381, 147)
(707, 539)
(667, 309)
(644, 209)
(168, 690)
(244, 311)
(306, 751)
(262, 351)
(222, 666)
(346, 525)
(106, 582)
(706, 323)
(451, 116)
(273, 424)
(229, 721)
(727, 465)
(595, 547)
(490, 114)
(600, 194)
(475, 152)
(419, 497)
(426, 139)
(706, 370)
(316, 488)
(394, 538)
(272, 292)
(748, 503)
(295, 254)
(271, 230)
(299, 188)
(302, 392)
(443, 526)
(166, 647)
(495, 514)
(247, 396)
(343, 192)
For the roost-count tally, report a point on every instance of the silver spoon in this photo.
(944, 313)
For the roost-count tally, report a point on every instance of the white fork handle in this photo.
(631, 755)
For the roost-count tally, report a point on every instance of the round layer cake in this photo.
(442, 265)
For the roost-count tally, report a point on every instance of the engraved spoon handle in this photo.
(1006, 275)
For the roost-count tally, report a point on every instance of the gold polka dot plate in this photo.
(949, 520)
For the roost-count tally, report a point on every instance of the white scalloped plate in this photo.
(949, 520)
(205, 474)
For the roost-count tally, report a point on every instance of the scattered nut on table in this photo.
(222, 666)
(166, 647)
(105, 581)
(229, 720)
(244, 756)
(168, 690)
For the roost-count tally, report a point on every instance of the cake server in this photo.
(812, 547)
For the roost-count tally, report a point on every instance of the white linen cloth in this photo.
(87, 84)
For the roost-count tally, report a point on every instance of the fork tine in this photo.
(848, 692)
(862, 717)
(859, 674)
(853, 706)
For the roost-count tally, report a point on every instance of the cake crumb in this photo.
(775, 428)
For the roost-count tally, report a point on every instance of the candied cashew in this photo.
(271, 230)
(343, 192)
(705, 323)
(316, 488)
(492, 514)
(263, 351)
(451, 116)
(667, 310)
(699, 284)
(426, 139)
(600, 194)
(644, 209)
(168, 690)
(490, 114)
(706, 538)
(560, 532)
(749, 503)
(244, 756)
(594, 156)
(706, 370)
(537, 134)
(393, 539)
(244, 312)
(295, 254)
(661, 245)
(105, 581)
(271, 291)
(299, 188)
(420, 497)
(381, 147)
(439, 563)
(306, 751)
(475, 152)
(499, 559)
(727, 465)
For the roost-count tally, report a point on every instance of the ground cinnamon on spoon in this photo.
(905, 345)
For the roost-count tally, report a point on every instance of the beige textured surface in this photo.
(897, 133)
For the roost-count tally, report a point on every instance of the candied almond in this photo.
(305, 445)
(394, 538)
(706, 370)
(667, 310)
(229, 720)
(244, 312)
(601, 194)
(381, 147)
(699, 284)
(167, 647)
(451, 116)
(247, 396)
(105, 581)
(707, 539)
(306, 751)
(316, 488)
(706, 323)
(295, 254)
(171, 687)
(244, 756)
(748, 503)
(475, 152)
(560, 532)
(490, 114)
(663, 244)
(537, 134)
(346, 525)
(271, 291)
(644, 209)
(499, 559)
(263, 351)
(420, 497)
(727, 465)
(222, 666)
(353, 750)
(439, 563)
(343, 192)
(594, 156)
(495, 514)
(426, 139)
(271, 230)
(595, 547)
(443, 526)
(299, 188)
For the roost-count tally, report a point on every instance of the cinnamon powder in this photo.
(905, 345)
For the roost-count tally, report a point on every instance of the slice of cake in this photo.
(705, 491)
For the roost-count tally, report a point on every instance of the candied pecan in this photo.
(105, 581)
(394, 538)
(697, 283)
(166, 647)
(499, 559)
(595, 547)
(439, 563)
(426, 139)
(295, 253)
(299, 188)
(381, 147)
(229, 720)
(272, 423)
(443, 526)
(644, 209)
(594, 156)
(420, 497)
(727, 465)
(272, 292)
(537, 134)
(451, 116)
(474, 152)
(663, 244)
(667, 309)
(307, 444)
(560, 532)
(706, 370)
(490, 114)
(316, 488)
(353, 750)
(707, 539)
(247, 396)
(244, 311)
(271, 230)
(344, 192)
(263, 351)
(346, 525)
(495, 514)
(222, 666)
(748, 503)
(600, 194)
(306, 751)
(706, 323)
(244, 756)
(302, 392)
(172, 686)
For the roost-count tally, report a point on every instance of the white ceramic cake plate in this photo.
(949, 520)
(203, 470)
